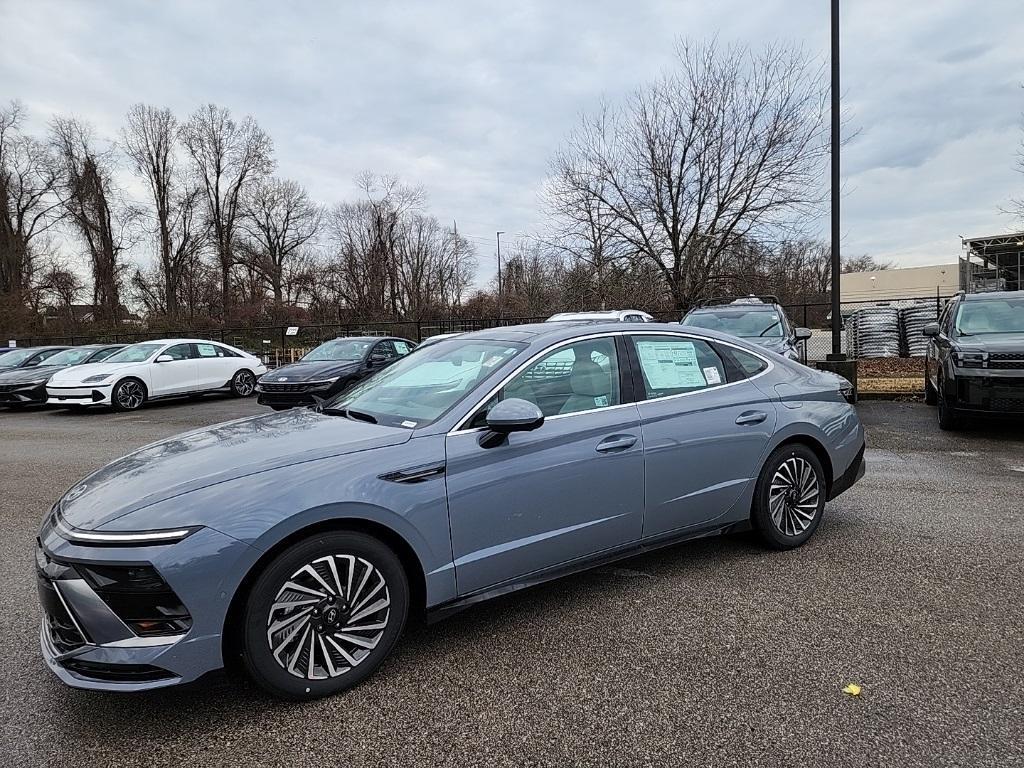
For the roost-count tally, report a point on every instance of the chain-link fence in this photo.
(886, 328)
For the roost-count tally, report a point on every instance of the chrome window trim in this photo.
(461, 429)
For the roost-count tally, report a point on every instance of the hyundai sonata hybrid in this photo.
(151, 370)
(299, 542)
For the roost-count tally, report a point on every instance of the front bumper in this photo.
(98, 394)
(294, 394)
(23, 394)
(987, 392)
(87, 645)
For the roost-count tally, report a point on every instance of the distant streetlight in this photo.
(498, 236)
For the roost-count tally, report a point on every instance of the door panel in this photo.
(703, 439)
(569, 489)
(213, 368)
(175, 376)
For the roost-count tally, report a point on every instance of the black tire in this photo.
(781, 530)
(243, 383)
(949, 421)
(258, 656)
(931, 397)
(128, 395)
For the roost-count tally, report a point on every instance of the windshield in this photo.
(1003, 315)
(14, 359)
(69, 357)
(136, 353)
(337, 349)
(420, 388)
(745, 323)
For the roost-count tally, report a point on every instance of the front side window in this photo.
(420, 388)
(103, 354)
(1002, 315)
(673, 365)
(179, 352)
(578, 377)
(208, 350)
(384, 350)
(136, 353)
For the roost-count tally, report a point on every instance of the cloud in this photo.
(471, 99)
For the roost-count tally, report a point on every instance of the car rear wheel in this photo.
(128, 395)
(324, 615)
(243, 383)
(790, 497)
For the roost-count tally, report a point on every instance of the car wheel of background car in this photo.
(790, 496)
(243, 383)
(930, 396)
(128, 395)
(948, 419)
(323, 615)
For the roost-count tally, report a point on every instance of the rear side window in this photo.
(207, 350)
(751, 365)
(673, 365)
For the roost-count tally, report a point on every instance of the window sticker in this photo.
(401, 347)
(601, 401)
(206, 350)
(670, 365)
(711, 374)
(408, 423)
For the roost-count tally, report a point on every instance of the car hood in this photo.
(30, 375)
(993, 342)
(775, 344)
(74, 374)
(204, 457)
(311, 371)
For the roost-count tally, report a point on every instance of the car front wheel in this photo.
(243, 383)
(324, 615)
(790, 497)
(128, 395)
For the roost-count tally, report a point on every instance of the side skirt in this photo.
(445, 610)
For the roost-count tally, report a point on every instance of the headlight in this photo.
(126, 539)
(323, 383)
(971, 359)
(846, 390)
(97, 378)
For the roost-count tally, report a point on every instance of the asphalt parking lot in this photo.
(715, 652)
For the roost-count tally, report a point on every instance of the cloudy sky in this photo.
(470, 99)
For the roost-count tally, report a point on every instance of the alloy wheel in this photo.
(328, 617)
(794, 495)
(130, 395)
(245, 383)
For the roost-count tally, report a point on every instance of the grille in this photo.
(1006, 360)
(1007, 404)
(8, 387)
(62, 630)
(267, 386)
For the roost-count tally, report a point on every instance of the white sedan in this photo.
(155, 369)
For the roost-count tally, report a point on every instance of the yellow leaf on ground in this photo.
(853, 689)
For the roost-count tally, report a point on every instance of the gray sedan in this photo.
(300, 542)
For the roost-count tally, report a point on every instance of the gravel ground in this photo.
(710, 653)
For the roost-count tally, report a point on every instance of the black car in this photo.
(326, 370)
(757, 319)
(975, 360)
(26, 384)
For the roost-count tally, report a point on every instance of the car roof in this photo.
(549, 332)
(760, 307)
(992, 295)
(367, 338)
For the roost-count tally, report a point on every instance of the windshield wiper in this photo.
(348, 413)
(762, 333)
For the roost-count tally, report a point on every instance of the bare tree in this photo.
(227, 157)
(99, 218)
(280, 220)
(730, 146)
(29, 203)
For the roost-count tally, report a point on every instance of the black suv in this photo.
(975, 359)
(758, 319)
(329, 368)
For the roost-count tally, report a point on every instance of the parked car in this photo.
(157, 369)
(431, 340)
(758, 320)
(974, 364)
(602, 316)
(26, 357)
(329, 368)
(300, 542)
(27, 386)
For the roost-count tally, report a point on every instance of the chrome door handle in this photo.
(751, 417)
(616, 443)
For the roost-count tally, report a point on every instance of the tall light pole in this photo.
(837, 320)
(498, 236)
